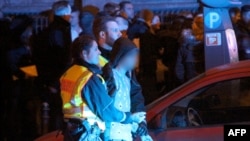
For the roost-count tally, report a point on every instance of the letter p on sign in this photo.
(213, 20)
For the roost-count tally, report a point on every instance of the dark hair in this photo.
(234, 10)
(245, 9)
(100, 24)
(60, 4)
(123, 3)
(111, 8)
(124, 20)
(82, 43)
(86, 22)
(74, 9)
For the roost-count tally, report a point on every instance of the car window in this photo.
(221, 103)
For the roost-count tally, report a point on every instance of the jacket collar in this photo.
(93, 68)
(105, 53)
(60, 20)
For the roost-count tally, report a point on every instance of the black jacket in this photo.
(137, 29)
(105, 53)
(241, 29)
(243, 40)
(190, 61)
(149, 48)
(17, 58)
(97, 98)
(52, 51)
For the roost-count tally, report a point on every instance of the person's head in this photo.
(86, 22)
(106, 31)
(156, 22)
(147, 16)
(85, 48)
(112, 8)
(234, 14)
(124, 54)
(127, 9)
(123, 25)
(245, 14)
(74, 18)
(25, 36)
(62, 9)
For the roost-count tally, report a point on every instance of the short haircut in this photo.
(123, 20)
(100, 24)
(86, 22)
(123, 3)
(82, 43)
(61, 8)
(111, 8)
(234, 10)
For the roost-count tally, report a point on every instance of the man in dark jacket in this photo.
(52, 57)
(106, 31)
(136, 29)
(190, 60)
(92, 90)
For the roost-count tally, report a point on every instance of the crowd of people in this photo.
(137, 56)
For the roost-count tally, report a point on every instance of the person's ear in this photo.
(102, 34)
(84, 54)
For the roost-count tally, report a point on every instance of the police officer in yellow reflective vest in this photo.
(84, 93)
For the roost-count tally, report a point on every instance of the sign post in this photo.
(220, 41)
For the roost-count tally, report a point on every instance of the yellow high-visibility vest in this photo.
(72, 82)
(102, 61)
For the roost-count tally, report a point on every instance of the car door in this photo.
(201, 115)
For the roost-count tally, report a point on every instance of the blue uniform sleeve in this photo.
(98, 100)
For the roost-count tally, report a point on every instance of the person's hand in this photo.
(138, 117)
(142, 129)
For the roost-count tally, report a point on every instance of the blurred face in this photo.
(129, 11)
(156, 23)
(74, 19)
(92, 56)
(112, 33)
(246, 17)
(130, 60)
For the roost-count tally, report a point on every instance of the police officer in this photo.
(84, 94)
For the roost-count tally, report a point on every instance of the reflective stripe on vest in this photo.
(72, 83)
(102, 61)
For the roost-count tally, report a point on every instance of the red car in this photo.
(198, 110)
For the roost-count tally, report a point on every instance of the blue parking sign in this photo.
(213, 20)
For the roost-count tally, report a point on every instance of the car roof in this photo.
(225, 70)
